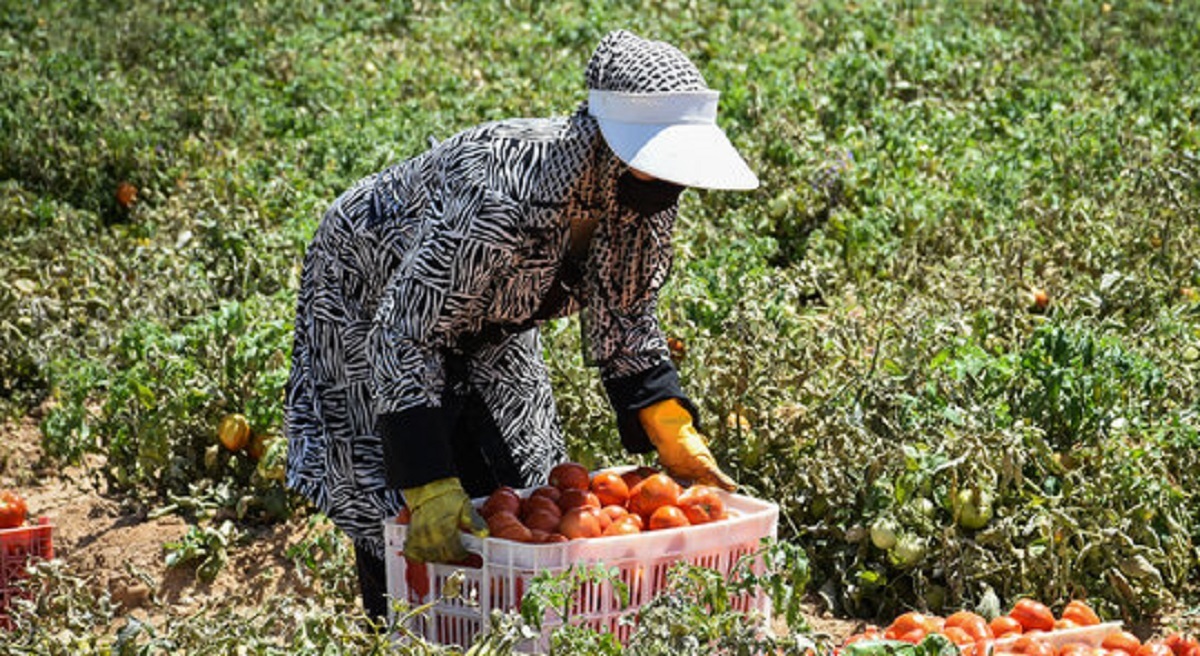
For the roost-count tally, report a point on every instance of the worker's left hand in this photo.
(682, 450)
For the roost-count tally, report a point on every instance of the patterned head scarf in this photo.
(626, 62)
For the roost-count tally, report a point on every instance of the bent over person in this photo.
(417, 373)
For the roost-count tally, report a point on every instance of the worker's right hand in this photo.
(440, 511)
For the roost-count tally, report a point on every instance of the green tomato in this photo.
(779, 205)
(883, 533)
(935, 597)
(924, 507)
(973, 506)
(818, 507)
(272, 466)
(909, 551)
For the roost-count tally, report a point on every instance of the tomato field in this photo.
(955, 334)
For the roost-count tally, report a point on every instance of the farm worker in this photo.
(417, 373)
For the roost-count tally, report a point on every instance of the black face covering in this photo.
(646, 197)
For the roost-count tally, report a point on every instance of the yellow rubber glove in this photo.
(681, 449)
(440, 510)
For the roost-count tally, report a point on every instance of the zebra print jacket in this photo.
(461, 252)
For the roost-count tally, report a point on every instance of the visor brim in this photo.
(690, 154)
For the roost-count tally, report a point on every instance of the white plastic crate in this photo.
(642, 561)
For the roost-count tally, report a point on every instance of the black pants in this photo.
(483, 462)
(372, 582)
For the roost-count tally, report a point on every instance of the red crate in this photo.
(642, 561)
(19, 548)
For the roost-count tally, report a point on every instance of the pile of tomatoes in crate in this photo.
(577, 504)
(1029, 629)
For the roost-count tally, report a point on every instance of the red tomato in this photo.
(570, 476)
(626, 525)
(667, 517)
(544, 521)
(1032, 645)
(701, 504)
(126, 194)
(505, 525)
(581, 522)
(958, 636)
(1004, 625)
(615, 512)
(549, 491)
(1182, 646)
(12, 509)
(610, 488)
(537, 504)
(1080, 613)
(906, 622)
(504, 499)
(653, 492)
(1188, 647)
(972, 623)
(1154, 649)
(1033, 615)
(573, 498)
(1175, 642)
(1122, 640)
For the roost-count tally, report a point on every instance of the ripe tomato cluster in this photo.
(1024, 631)
(575, 504)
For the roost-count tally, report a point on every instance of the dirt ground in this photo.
(118, 546)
